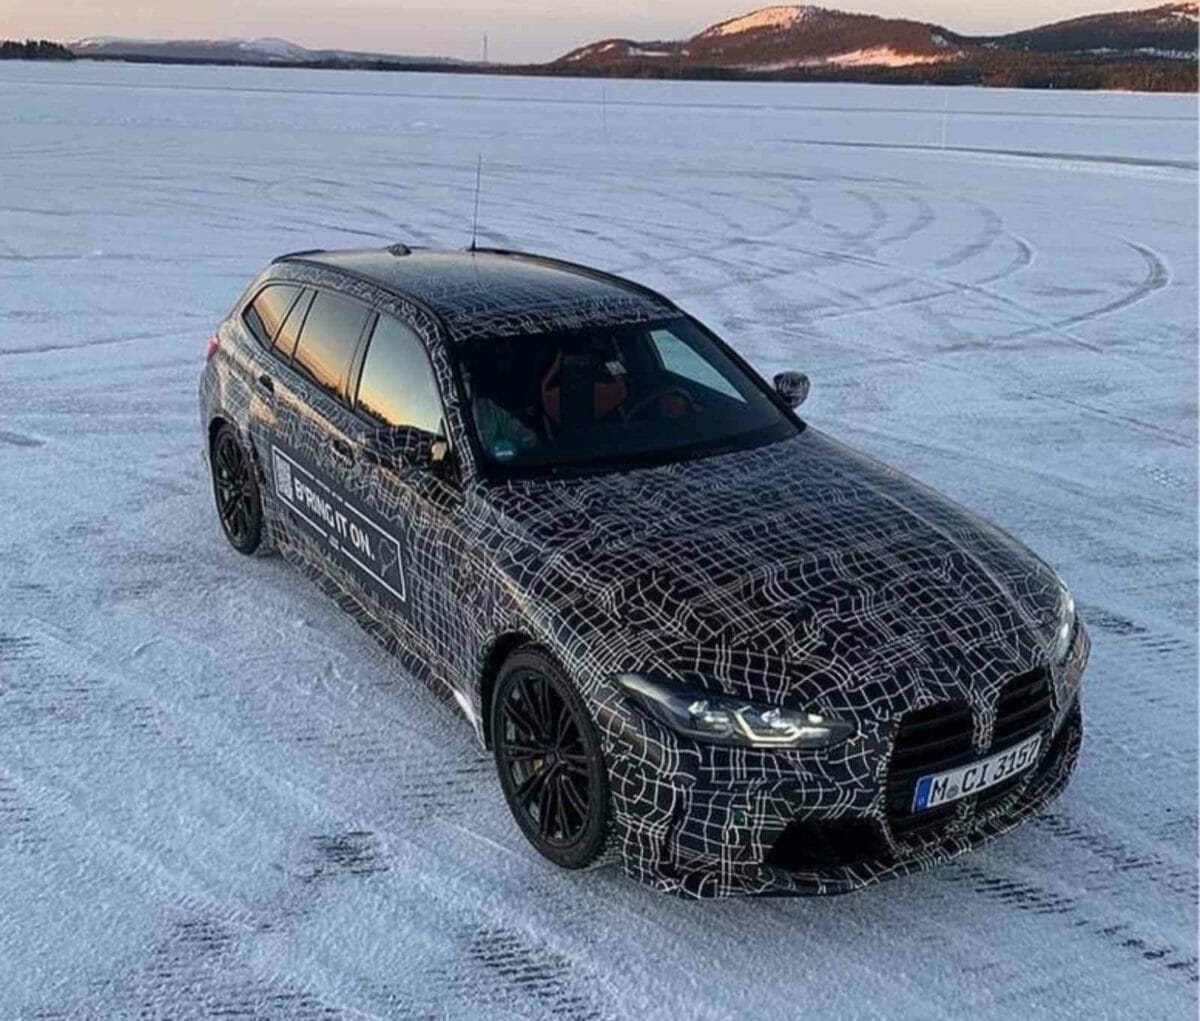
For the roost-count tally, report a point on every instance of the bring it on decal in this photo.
(351, 536)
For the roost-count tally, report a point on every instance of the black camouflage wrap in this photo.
(800, 573)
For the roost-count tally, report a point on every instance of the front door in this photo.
(398, 400)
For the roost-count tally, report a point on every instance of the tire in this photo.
(235, 491)
(549, 760)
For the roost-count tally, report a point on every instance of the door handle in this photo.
(341, 451)
(266, 384)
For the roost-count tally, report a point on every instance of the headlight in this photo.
(1066, 627)
(732, 721)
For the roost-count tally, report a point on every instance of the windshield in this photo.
(606, 398)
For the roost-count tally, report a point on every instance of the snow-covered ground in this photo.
(217, 794)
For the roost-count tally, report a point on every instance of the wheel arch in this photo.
(221, 418)
(214, 426)
(500, 648)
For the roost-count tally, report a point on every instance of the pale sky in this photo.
(521, 30)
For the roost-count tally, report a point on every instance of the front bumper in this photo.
(1043, 786)
(748, 829)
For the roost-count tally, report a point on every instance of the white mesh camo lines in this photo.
(799, 573)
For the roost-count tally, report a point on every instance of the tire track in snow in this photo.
(855, 302)
(1040, 322)
(1030, 897)
(215, 915)
(528, 972)
(14, 648)
(1022, 260)
(352, 853)
(20, 828)
(717, 247)
(1149, 867)
(924, 219)
(37, 349)
(990, 232)
(713, 249)
(361, 854)
(1016, 154)
(16, 439)
(878, 218)
(1158, 276)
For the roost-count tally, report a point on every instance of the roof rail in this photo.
(297, 255)
(590, 271)
(492, 250)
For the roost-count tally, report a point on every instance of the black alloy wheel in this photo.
(549, 759)
(235, 488)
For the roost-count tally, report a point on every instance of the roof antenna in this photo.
(475, 219)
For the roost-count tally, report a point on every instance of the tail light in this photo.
(214, 342)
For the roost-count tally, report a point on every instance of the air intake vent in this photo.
(812, 845)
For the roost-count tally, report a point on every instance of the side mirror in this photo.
(792, 387)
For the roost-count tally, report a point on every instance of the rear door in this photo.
(312, 437)
(275, 311)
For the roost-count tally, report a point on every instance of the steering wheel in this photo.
(643, 405)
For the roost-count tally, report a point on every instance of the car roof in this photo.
(486, 293)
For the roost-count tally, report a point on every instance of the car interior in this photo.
(646, 385)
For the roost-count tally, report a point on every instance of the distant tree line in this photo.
(33, 49)
(1003, 69)
(330, 64)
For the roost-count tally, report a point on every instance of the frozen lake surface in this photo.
(218, 795)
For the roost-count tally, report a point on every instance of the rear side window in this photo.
(329, 339)
(285, 343)
(397, 386)
(266, 312)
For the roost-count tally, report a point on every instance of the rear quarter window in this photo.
(289, 333)
(267, 311)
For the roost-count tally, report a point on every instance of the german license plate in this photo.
(942, 788)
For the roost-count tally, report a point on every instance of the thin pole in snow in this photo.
(945, 117)
(604, 108)
(475, 218)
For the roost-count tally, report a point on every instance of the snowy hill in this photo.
(791, 38)
(1169, 30)
(233, 51)
(776, 38)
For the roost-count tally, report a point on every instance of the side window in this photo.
(397, 386)
(329, 339)
(285, 343)
(679, 358)
(264, 314)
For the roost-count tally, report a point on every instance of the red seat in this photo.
(607, 395)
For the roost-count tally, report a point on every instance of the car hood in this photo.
(798, 572)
